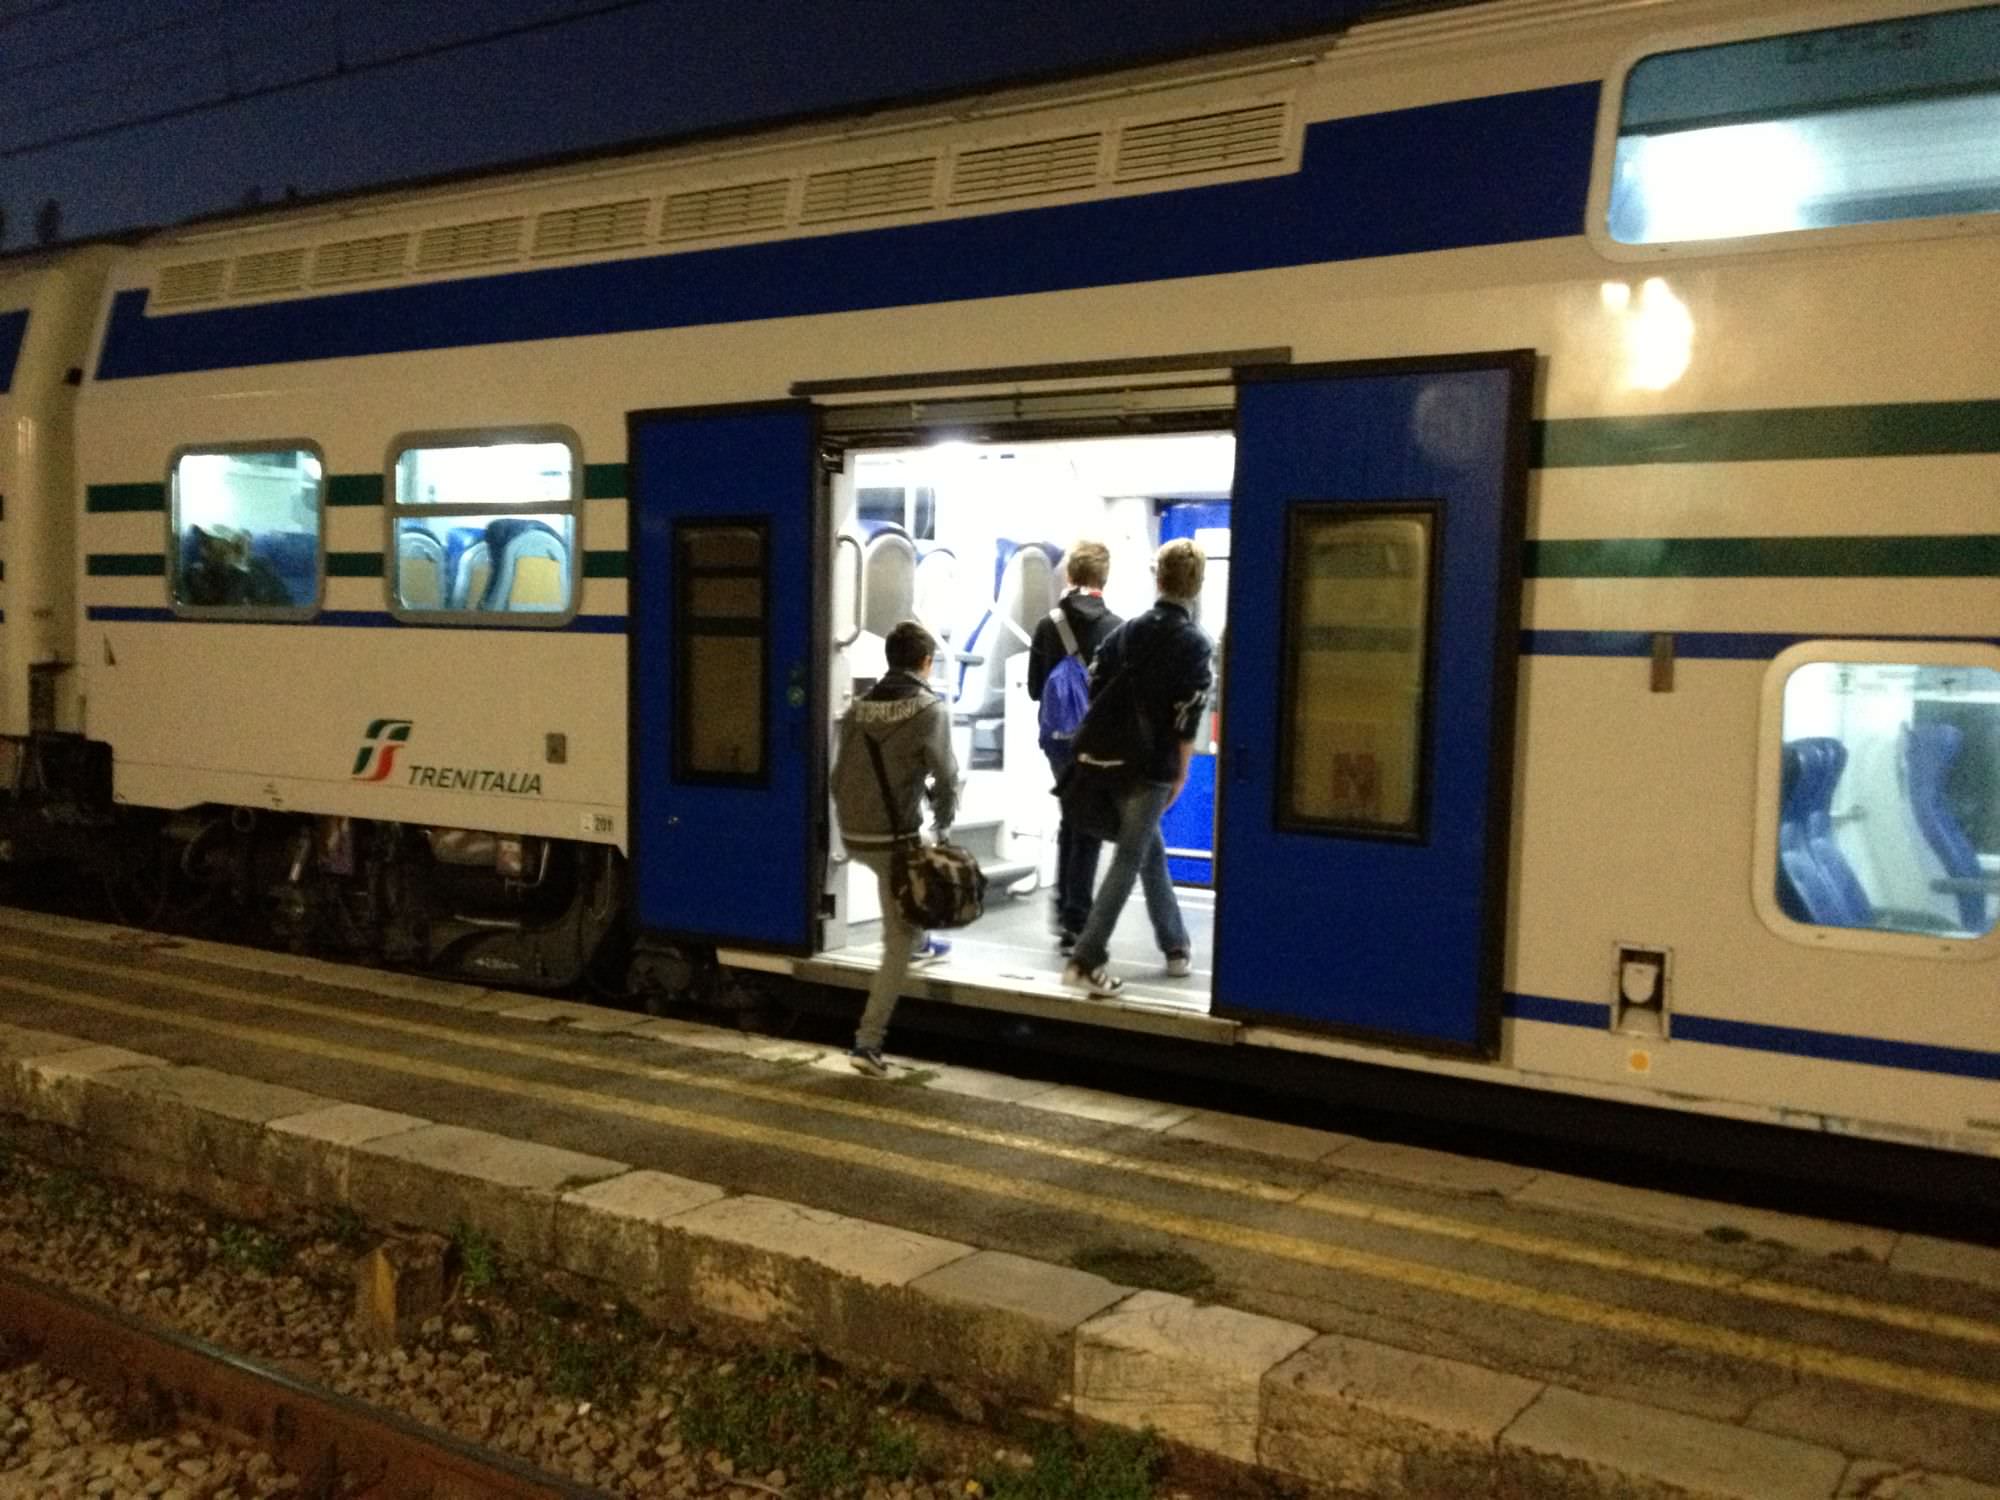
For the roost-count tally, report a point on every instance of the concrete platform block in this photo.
(613, 1231)
(1433, 1169)
(192, 1129)
(310, 1156)
(1923, 1255)
(443, 1176)
(1385, 1422)
(1109, 1109)
(52, 1088)
(789, 1271)
(1265, 1137)
(1004, 1324)
(1196, 1374)
(1868, 1480)
(1567, 1442)
(693, 1034)
(1696, 1216)
(18, 1043)
(551, 1011)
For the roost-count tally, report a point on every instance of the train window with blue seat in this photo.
(1877, 123)
(245, 531)
(484, 527)
(1884, 801)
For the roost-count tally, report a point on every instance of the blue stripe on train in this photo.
(13, 329)
(1793, 1041)
(1506, 168)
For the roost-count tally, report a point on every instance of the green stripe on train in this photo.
(1892, 430)
(108, 499)
(126, 565)
(1768, 557)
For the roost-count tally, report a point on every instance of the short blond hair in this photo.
(1088, 565)
(1179, 569)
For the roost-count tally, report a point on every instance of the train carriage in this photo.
(1590, 411)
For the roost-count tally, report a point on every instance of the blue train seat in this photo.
(530, 567)
(1929, 751)
(1815, 882)
(1024, 594)
(420, 570)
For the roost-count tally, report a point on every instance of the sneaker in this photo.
(1099, 983)
(932, 950)
(868, 1060)
(1179, 965)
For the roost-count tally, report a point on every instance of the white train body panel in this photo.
(1634, 812)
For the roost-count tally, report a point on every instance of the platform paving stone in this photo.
(18, 1043)
(785, 1270)
(1924, 1255)
(1436, 1169)
(1108, 1109)
(1193, 1373)
(1697, 1216)
(309, 1156)
(1869, 1480)
(53, 1087)
(184, 1127)
(443, 1176)
(1385, 1422)
(1005, 1324)
(1595, 1444)
(1265, 1137)
(553, 1010)
(613, 1232)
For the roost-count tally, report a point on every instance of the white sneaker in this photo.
(1179, 965)
(1098, 983)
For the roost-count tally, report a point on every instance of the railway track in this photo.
(337, 1447)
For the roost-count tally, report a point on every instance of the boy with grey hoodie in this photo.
(909, 729)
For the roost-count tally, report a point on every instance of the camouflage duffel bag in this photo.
(937, 885)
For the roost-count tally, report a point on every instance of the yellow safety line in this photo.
(1309, 1199)
(1802, 1359)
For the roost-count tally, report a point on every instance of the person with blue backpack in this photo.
(1059, 658)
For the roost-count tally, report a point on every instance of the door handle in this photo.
(849, 639)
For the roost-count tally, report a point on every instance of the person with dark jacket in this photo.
(1168, 658)
(899, 732)
(1087, 567)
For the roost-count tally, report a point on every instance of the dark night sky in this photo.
(133, 112)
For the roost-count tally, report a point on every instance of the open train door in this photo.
(724, 791)
(1368, 722)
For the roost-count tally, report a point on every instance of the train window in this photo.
(722, 631)
(1874, 123)
(1359, 582)
(245, 530)
(485, 526)
(1881, 795)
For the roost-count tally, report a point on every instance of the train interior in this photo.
(969, 538)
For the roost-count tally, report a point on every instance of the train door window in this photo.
(483, 527)
(244, 536)
(722, 631)
(1879, 810)
(1858, 124)
(1359, 580)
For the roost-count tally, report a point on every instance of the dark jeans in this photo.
(1076, 865)
(1140, 856)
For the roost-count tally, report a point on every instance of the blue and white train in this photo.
(1591, 411)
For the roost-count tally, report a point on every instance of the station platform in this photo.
(1345, 1316)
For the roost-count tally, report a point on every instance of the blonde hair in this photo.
(1088, 565)
(1179, 568)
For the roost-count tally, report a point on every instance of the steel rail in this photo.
(334, 1444)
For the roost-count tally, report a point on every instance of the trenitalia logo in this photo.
(377, 759)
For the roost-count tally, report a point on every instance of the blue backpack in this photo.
(1066, 693)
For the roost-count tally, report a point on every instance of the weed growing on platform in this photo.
(1108, 1466)
(249, 1248)
(478, 1259)
(773, 1410)
(1156, 1270)
(67, 1195)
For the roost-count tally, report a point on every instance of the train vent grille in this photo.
(481, 244)
(268, 271)
(1202, 143)
(1052, 166)
(891, 187)
(191, 281)
(742, 208)
(601, 226)
(373, 259)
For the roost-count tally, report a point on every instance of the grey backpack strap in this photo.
(1063, 630)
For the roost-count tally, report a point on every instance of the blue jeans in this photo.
(1076, 865)
(1140, 854)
